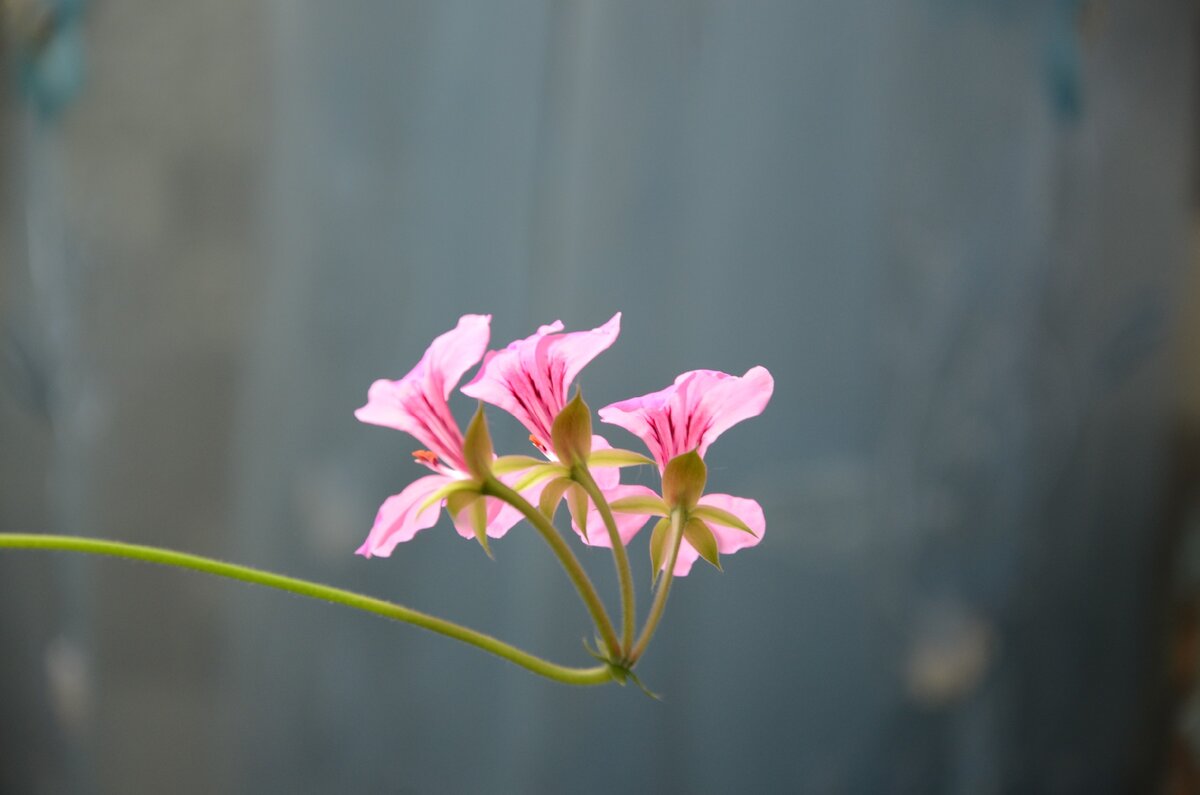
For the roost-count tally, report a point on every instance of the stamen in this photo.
(426, 457)
(538, 443)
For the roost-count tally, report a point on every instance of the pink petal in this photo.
(628, 524)
(453, 353)
(577, 349)
(729, 539)
(504, 382)
(416, 403)
(399, 518)
(634, 416)
(724, 401)
(605, 477)
(499, 522)
(530, 378)
(692, 412)
(501, 516)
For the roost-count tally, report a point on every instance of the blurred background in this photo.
(961, 234)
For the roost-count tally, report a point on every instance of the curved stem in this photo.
(583, 584)
(560, 673)
(584, 478)
(664, 589)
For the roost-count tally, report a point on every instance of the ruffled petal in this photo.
(721, 401)
(692, 412)
(576, 349)
(499, 520)
(507, 380)
(605, 477)
(531, 377)
(628, 524)
(729, 539)
(458, 350)
(416, 403)
(399, 518)
(634, 416)
(385, 407)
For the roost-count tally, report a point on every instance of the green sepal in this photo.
(478, 511)
(514, 463)
(701, 537)
(683, 480)
(572, 432)
(617, 458)
(458, 501)
(633, 677)
(539, 473)
(599, 651)
(446, 491)
(551, 495)
(658, 541)
(577, 499)
(477, 446)
(722, 517)
(647, 506)
(474, 502)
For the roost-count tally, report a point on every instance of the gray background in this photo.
(954, 230)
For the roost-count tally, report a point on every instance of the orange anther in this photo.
(427, 457)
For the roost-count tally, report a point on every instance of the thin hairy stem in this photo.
(583, 584)
(584, 478)
(664, 589)
(572, 676)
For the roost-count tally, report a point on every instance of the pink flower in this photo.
(416, 404)
(690, 415)
(530, 378)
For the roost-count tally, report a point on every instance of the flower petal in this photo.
(499, 520)
(724, 400)
(634, 416)
(576, 349)
(628, 524)
(458, 350)
(731, 539)
(400, 516)
(530, 378)
(605, 477)
(416, 403)
(692, 412)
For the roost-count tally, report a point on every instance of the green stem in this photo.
(312, 590)
(584, 478)
(492, 486)
(664, 588)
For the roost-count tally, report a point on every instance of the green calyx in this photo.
(572, 433)
(477, 447)
(683, 480)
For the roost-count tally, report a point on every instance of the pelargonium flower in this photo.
(690, 415)
(531, 379)
(417, 404)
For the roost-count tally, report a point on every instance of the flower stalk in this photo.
(664, 590)
(584, 478)
(597, 675)
(583, 584)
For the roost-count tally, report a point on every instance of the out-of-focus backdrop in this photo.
(959, 233)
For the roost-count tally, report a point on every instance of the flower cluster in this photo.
(531, 379)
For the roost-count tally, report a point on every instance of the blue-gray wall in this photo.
(952, 229)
